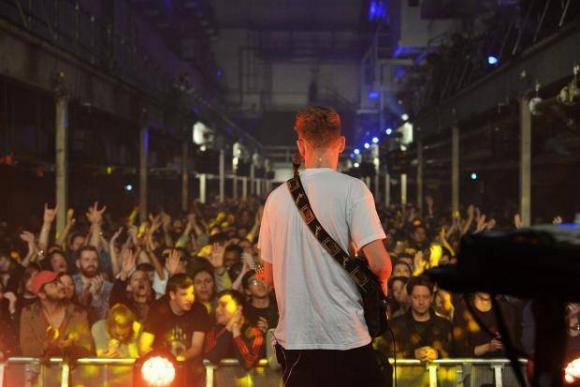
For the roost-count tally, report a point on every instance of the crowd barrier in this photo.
(89, 372)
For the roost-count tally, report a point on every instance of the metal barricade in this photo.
(30, 372)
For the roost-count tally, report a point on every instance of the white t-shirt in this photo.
(320, 305)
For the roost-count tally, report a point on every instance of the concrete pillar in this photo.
(252, 179)
(202, 187)
(525, 162)
(61, 124)
(235, 187)
(455, 170)
(143, 156)
(258, 187)
(420, 176)
(244, 187)
(222, 176)
(184, 177)
(404, 188)
(387, 189)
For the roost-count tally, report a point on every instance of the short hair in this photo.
(145, 266)
(421, 280)
(238, 297)
(121, 312)
(234, 248)
(203, 269)
(319, 126)
(86, 248)
(392, 280)
(179, 281)
(399, 262)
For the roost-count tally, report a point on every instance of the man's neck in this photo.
(321, 160)
(421, 317)
(260, 302)
(51, 308)
(175, 309)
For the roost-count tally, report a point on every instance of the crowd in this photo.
(119, 288)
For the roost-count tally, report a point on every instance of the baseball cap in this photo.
(43, 278)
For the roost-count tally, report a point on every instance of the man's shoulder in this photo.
(30, 310)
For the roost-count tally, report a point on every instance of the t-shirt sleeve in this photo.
(154, 319)
(363, 220)
(200, 320)
(265, 237)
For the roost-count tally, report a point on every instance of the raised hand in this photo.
(173, 261)
(116, 235)
(518, 221)
(155, 224)
(128, 260)
(165, 220)
(28, 237)
(97, 284)
(216, 258)
(557, 220)
(49, 214)
(94, 215)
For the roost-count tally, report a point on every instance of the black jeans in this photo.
(355, 367)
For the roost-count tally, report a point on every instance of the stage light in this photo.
(404, 116)
(357, 151)
(367, 145)
(356, 165)
(128, 188)
(158, 371)
(492, 60)
(473, 176)
(572, 371)
(109, 170)
(374, 95)
(375, 140)
(389, 131)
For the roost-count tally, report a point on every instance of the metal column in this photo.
(235, 187)
(455, 170)
(61, 161)
(387, 189)
(184, 177)
(525, 162)
(143, 155)
(202, 187)
(222, 177)
(252, 179)
(244, 187)
(420, 176)
(404, 188)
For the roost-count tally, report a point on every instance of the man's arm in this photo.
(146, 343)
(196, 348)
(379, 261)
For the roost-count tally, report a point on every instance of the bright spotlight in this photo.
(357, 151)
(367, 145)
(404, 116)
(375, 140)
(572, 371)
(356, 165)
(389, 131)
(158, 371)
(128, 188)
(492, 60)
(473, 176)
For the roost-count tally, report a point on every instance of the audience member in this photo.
(118, 335)
(52, 326)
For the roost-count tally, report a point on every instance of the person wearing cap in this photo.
(52, 326)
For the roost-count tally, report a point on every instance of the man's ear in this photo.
(341, 144)
(301, 147)
(78, 263)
